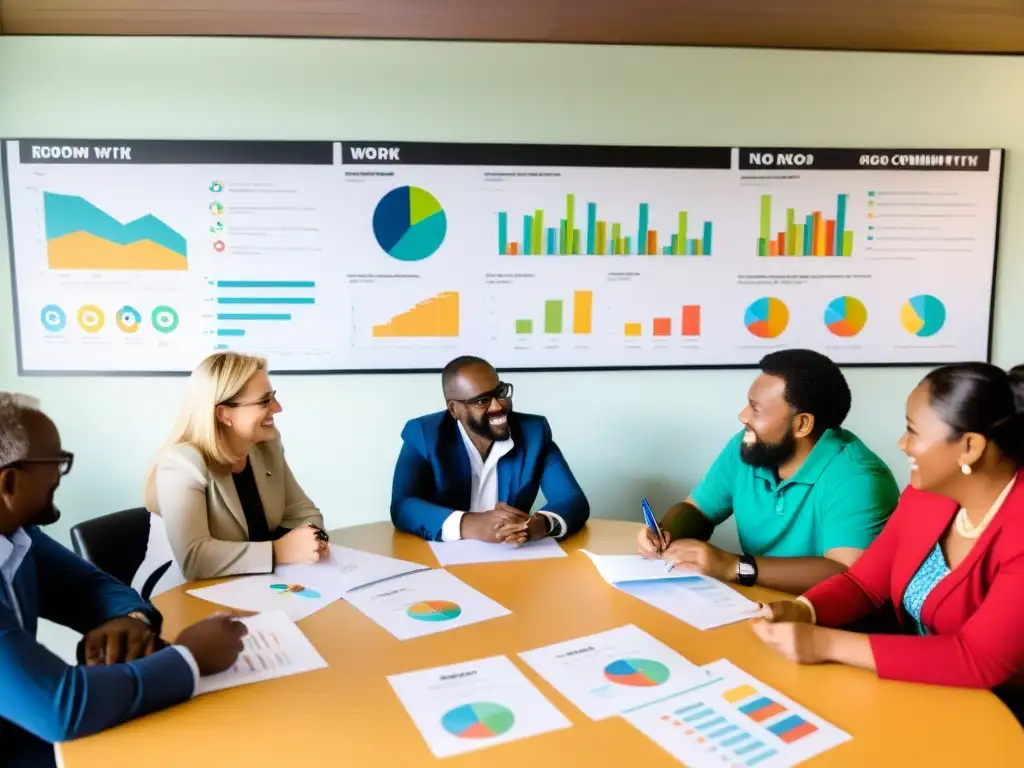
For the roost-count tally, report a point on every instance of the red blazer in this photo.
(975, 614)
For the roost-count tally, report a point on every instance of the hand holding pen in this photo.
(652, 541)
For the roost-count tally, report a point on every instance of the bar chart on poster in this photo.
(142, 257)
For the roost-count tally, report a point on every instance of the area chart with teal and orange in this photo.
(80, 235)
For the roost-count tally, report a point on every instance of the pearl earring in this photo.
(968, 468)
(965, 468)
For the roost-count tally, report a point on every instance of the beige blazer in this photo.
(203, 515)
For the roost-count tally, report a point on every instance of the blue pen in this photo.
(652, 523)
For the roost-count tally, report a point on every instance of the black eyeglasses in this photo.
(263, 402)
(501, 392)
(64, 462)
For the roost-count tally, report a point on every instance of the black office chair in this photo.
(116, 544)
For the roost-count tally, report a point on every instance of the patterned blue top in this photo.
(932, 571)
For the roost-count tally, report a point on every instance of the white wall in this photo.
(625, 434)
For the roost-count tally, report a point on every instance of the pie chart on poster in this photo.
(409, 224)
(638, 673)
(434, 610)
(846, 316)
(482, 720)
(767, 317)
(923, 315)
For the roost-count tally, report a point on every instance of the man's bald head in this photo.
(461, 374)
(477, 398)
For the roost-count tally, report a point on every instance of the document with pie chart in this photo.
(271, 592)
(473, 705)
(607, 673)
(424, 603)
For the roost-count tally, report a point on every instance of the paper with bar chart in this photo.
(733, 719)
(145, 256)
(473, 705)
(612, 671)
(274, 647)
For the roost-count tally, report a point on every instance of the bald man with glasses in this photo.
(473, 471)
(126, 669)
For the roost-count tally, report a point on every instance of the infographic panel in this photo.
(333, 256)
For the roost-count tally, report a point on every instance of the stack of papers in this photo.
(302, 590)
(733, 719)
(607, 673)
(274, 647)
(349, 569)
(698, 600)
(705, 717)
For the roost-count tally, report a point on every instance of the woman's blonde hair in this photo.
(216, 380)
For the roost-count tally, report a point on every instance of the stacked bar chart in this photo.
(599, 237)
(689, 324)
(244, 305)
(555, 316)
(813, 236)
(437, 316)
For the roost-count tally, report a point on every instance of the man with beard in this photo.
(473, 471)
(807, 495)
(127, 670)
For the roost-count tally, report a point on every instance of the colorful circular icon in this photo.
(846, 316)
(216, 208)
(128, 319)
(409, 223)
(434, 610)
(479, 720)
(217, 228)
(90, 318)
(219, 246)
(923, 315)
(295, 589)
(164, 318)
(767, 317)
(637, 673)
(53, 318)
(216, 186)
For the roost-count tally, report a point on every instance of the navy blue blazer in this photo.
(42, 699)
(433, 476)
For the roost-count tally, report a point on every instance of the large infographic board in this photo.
(334, 256)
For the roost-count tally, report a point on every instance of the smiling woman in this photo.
(952, 556)
(221, 487)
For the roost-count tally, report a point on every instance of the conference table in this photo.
(348, 714)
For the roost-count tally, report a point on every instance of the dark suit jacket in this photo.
(433, 476)
(44, 699)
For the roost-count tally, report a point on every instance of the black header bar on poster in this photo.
(157, 152)
(564, 155)
(810, 159)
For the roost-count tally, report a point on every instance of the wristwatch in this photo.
(550, 524)
(746, 570)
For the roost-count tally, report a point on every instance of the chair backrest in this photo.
(114, 543)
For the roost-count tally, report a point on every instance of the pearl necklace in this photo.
(967, 529)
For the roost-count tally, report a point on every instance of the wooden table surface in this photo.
(347, 714)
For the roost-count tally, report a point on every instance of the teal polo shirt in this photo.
(841, 496)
